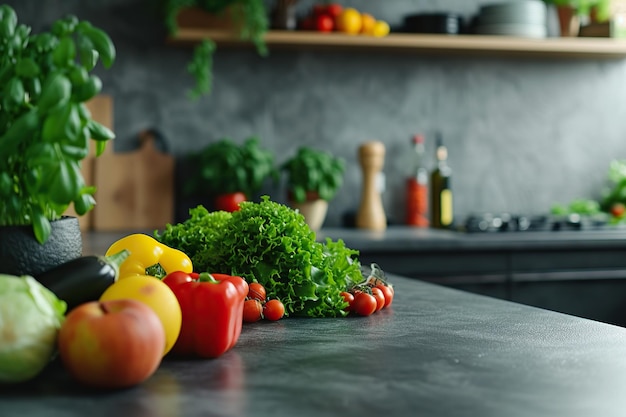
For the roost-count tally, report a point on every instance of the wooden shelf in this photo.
(588, 48)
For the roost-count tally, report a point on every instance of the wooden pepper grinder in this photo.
(371, 214)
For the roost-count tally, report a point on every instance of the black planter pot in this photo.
(22, 254)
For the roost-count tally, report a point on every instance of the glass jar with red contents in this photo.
(417, 187)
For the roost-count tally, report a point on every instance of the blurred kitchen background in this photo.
(522, 133)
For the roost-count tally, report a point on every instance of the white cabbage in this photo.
(30, 319)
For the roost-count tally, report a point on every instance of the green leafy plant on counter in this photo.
(579, 206)
(225, 167)
(614, 198)
(45, 127)
(315, 172)
(250, 17)
(270, 243)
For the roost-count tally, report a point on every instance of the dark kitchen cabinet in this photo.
(582, 273)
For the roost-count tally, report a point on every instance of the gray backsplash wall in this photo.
(522, 133)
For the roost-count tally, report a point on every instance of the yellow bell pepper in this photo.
(146, 252)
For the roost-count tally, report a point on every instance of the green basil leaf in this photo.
(65, 52)
(64, 185)
(27, 68)
(86, 52)
(41, 225)
(15, 91)
(55, 124)
(74, 152)
(101, 43)
(99, 132)
(22, 129)
(88, 90)
(84, 203)
(100, 147)
(41, 154)
(8, 22)
(33, 88)
(56, 93)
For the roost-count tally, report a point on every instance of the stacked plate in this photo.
(525, 18)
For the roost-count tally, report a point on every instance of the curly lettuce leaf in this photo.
(270, 243)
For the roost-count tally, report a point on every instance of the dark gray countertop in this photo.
(435, 352)
(402, 238)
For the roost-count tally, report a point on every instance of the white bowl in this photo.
(520, 12)
(512, 29)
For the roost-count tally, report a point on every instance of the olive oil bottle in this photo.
(441, 210)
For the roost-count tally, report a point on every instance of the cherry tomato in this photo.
(618, 209)
(229, 202)
(387, 292)
(324, 23)
(252, 311)
(348, 298)
(364, 304)
(274, 310)
(256, 291)
(380, 298)
(334, 10)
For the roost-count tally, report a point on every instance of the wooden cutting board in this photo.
(135, 190)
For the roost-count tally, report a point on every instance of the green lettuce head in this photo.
(30, 319)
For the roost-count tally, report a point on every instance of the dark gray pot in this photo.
(22, 254)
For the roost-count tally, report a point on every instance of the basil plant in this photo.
(45, 127)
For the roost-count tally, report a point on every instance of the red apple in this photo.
(112, 344)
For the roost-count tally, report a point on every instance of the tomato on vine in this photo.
(348, 298)
(388, 292)
(380, 298)
(364, 304)
(252, 311)
(274, 310)
(256, 291)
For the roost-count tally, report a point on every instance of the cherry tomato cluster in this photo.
(322, 17)
(366, 299)
(257, 306)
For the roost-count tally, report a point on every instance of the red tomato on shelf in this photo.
(324, 23)
(334, 10)
(229, 202)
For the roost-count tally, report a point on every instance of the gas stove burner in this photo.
(575, 221)
(504, 222)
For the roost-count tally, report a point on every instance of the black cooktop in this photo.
(507, 222)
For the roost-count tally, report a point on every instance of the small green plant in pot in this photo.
(230, 172)
(45, 127)
(313, 179)
(570, 13)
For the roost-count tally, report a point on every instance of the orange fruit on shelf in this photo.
(367, 24)
(349, 21)
(381, 28)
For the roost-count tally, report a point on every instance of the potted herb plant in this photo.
(570, 12)
(45, 132)
(230, 172)
(249, 17)
(313, 179)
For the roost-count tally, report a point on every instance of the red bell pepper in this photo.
(212, 311)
